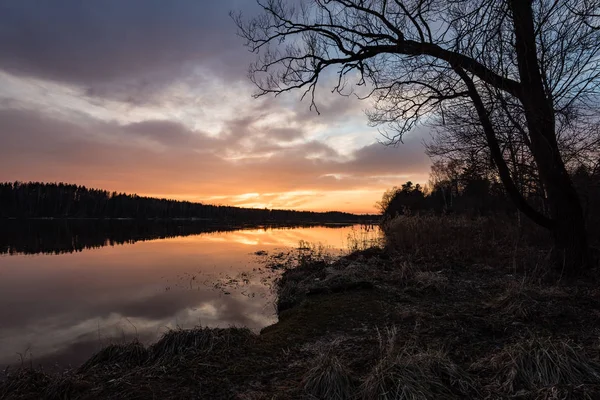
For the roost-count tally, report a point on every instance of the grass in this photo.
(185, 342)
(410, 373)
(541, 364)
(118, 355)
(498, 242)
(328, 378)
(445, 308)
(367, 236)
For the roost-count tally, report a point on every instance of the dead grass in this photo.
(582, 392)
(541, 364)
(449, 239)
(411, 373)
(117, 355)
(24, 383)
(515, 301)
(189, 342)
(367, 236)
(328, 378)
(430, 280)
(419, 235)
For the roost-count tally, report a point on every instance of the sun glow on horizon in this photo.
(351, 201)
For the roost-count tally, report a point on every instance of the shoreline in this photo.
(363, 325)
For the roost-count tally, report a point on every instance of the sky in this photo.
(152, 97)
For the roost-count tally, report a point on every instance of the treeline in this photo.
(60, 200)
(464, 188)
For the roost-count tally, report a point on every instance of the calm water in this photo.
(61, 300)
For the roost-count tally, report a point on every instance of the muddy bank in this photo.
(371, 325)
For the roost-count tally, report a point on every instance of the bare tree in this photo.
(534, 63)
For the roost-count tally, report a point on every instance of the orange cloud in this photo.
(166, 159)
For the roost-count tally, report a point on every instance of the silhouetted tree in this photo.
(408, 199)
(533, 61)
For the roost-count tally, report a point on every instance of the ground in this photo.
(426, 323)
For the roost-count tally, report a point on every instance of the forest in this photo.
(458, 186)
(61, 200)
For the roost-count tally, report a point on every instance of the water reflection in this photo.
(71, 235)
(60, 308)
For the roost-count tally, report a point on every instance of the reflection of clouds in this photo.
(215, 239)
(63, 307)
(185, 309)
(286, 237)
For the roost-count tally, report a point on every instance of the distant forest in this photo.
(61, 200)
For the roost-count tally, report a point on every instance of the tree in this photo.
(406, 199)
(535, 63)
(386, 198)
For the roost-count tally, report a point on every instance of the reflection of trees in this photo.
(31, 236)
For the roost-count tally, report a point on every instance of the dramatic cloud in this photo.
(164, 157)
(127, 48)
(151, 97)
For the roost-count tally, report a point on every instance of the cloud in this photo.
(150, 96)
(165, 157)
(129, 49)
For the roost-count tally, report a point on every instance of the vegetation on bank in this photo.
(447, 307)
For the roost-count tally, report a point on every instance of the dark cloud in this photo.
(377, 159)
(168, 133)
(129, 48)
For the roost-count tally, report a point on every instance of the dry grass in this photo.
(410, 373)
(430, 280)
(365, 237)
(328, 378)
(459, 239)
(117, 355)
(579, 392)
(421, 234)
(515, 301)
(190, 342)
(23, 383)
(541, 364)
(32, 384)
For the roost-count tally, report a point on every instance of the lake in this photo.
(69, 288)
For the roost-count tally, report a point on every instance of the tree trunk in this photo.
(568, 230)
(571, 247)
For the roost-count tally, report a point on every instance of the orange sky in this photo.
(158, 103)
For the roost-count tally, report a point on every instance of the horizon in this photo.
(174, 199)
(153, 99)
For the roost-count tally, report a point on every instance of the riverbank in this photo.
(449, 308)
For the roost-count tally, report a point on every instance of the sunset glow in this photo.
(162, 107)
